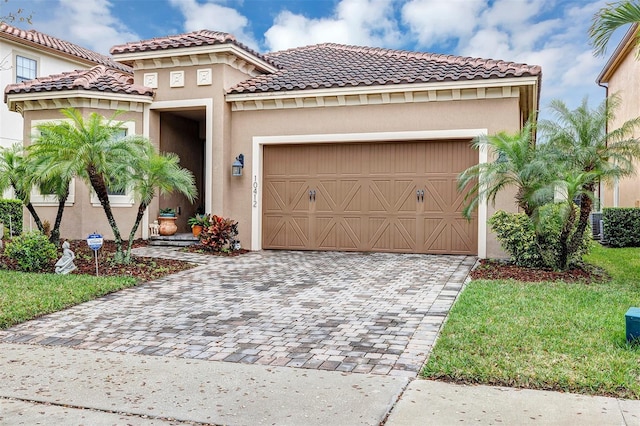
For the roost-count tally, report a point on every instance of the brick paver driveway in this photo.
(368, 313)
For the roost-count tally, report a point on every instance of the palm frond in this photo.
(608, 19)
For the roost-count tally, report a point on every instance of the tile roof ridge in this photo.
(439, 57)
(54, 43)
(120, 48)
(185, 40)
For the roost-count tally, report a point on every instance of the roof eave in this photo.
(388, 88)
(13, 99)
(622, 50)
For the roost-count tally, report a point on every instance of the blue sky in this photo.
(550, 33)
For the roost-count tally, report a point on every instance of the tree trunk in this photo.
(523, 204)
(565, 246)
(55, 232)
(36, 218)
(30, 208)
(100, 187)
(141, 209)
(583, 221)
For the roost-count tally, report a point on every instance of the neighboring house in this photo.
(345, 147)
(25, 55)
(620, 76)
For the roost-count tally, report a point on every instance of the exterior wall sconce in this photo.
(237, 166)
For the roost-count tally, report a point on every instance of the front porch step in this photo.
(175, 240)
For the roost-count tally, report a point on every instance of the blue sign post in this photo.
(94, 241)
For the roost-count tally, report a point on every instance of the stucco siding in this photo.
(624, 83)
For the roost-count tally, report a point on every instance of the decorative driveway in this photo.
(354, 312)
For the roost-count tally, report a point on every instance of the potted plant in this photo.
(198, 222)
(167, 212)
(167, 220)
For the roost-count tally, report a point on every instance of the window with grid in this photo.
(25, 69)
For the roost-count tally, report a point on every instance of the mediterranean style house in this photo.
(620, 76)
(342, 147)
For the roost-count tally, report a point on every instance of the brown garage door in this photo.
(392, 197)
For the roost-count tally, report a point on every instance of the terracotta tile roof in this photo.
(196, 38)
(332, 65)
(98, 78)
(41, 40)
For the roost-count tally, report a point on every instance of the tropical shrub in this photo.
(531, 247)
(220, 234)
(622, 226)
(32, 251)
(517, 235)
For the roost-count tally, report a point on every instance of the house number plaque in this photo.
(255, 191)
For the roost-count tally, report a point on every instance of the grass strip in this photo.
(24, 296)
(553, 335)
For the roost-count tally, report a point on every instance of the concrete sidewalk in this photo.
(63, 386)
(426, 402)
(186, 390)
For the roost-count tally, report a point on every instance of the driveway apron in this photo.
(375, 313)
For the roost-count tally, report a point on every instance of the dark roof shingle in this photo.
(98, 78)
(331, 65)
(39, 39)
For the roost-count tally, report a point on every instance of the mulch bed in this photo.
(200, 249)
(141, 268)
(501, 270)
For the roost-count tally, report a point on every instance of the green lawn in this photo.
(24, 296)
(558, 336)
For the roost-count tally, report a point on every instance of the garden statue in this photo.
(154, 229)
(65, 264)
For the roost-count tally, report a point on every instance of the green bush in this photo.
(518, 237)
(11, 209)
(622, 226)
(32, 251)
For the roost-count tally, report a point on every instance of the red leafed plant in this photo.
(220, 235)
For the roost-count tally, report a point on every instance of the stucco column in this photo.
(217, 158)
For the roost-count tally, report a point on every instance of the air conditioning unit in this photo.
(597, 225)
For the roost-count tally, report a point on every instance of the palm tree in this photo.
(608, 19)
(49, 178)
(154, 172)
(14, 173)
(581, 145)
(92, 150)
(518, 164)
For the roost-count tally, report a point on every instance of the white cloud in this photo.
(213, 16)
(88, 23)
(511, 14)
(362, 22)
(434, 21)
(550, 34)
